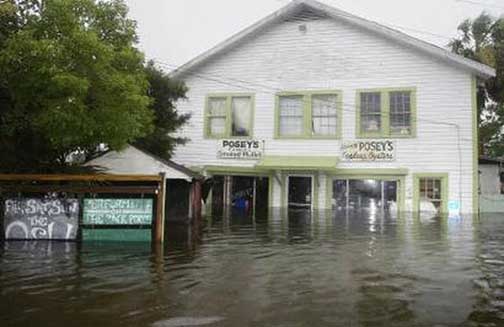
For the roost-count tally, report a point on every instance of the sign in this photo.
(240, 149)
(368, 150)
(49, 219)
(117, 211)
(453, 209)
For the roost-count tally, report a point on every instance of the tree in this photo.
(164, 93)
(70, 80)
(482, 39)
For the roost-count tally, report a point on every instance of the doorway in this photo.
(300, 192)
(241, 196)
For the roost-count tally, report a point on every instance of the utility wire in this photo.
(272, 90)
(479, 3)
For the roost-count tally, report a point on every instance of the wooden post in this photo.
(160, 211)
(196, 199)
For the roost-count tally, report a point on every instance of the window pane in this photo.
(217, 107)
(242, 115)
(430, 191)
(217, 125)
(216, 116)
(370, 112)
(291, 115)
(324, 114)
(400, 113)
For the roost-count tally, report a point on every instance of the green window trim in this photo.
(229, 114)
(475, 146)
(444, 189)
(385, 113)
(307, 115)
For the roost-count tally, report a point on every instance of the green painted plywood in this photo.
(118, 211)
(117, 235)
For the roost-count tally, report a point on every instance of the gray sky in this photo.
(175, 31)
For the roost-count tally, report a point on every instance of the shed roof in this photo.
(297, 6)
(133, 160)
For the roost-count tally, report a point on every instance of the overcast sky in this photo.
(175, 31)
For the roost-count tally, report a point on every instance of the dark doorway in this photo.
(218, 195)
(244, 195)
(177, 199)
(300, 192)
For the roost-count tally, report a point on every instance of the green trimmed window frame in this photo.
(307, 97)
(385, 130)
(443, 177)
(228, 125)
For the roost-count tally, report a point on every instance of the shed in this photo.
(183, 186)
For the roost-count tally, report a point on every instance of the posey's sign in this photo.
(240, 149)
(368, 150)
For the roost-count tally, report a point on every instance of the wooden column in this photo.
(196, 199)
(160, 211)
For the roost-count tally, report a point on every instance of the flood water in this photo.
(301, 270)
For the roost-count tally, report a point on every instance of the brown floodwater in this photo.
(297, 269)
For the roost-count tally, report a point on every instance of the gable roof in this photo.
(133, 160)
(297, 6)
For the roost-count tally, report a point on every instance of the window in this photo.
(291, 115)
(370, 112)
(431, 191)
(365, 194)
(386, 113)
(400, 113)
(229, 116)
(324, 114)
(308, 115)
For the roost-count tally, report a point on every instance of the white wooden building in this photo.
(319, 108)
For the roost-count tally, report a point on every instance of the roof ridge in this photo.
(477, 68)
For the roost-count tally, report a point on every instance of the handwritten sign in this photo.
(368, 150)
(51, 219)
(117, 211)
(240, 149)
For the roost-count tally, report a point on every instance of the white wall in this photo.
(334, 55)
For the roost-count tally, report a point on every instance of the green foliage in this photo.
(70, 79)
(482, 39)
(164, 92)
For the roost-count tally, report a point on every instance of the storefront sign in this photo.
(117, 211)
(240, 149)
(368, 150)
(50, 219)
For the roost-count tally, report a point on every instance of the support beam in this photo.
(160, 212)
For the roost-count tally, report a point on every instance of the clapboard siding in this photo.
(335, 55)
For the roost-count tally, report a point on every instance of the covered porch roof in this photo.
(293, 163)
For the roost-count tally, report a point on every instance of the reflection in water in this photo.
(295, 268)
